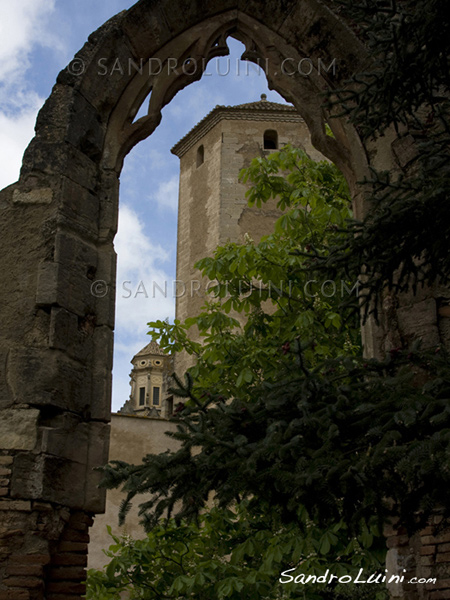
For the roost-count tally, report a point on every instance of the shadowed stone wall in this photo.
(132, 437)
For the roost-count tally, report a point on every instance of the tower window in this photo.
(270, 139)
(142, 396)
(200, 155)
(156, 396)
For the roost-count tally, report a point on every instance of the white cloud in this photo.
(23, 24)
(166, 196)
(141, 279)
(193, 103)
(15, 133)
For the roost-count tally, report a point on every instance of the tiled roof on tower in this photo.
(152, 348)
(251, 111)
(264, 104)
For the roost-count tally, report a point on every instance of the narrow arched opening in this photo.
(270, 140)
(200, 155)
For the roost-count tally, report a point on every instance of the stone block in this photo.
(109, 206)
(439, 595)
(63, 329)
(53, 117)
(95, 497)
(70, 452)
(445, 547)
(69, 440)
(33, 570)
(68, 280)
(145, 30)
(71, 252)
(24, 582)
(48, 478)
(71, 333)
(439, 585)
(419, 321)
(427, 550)
(102, 375)
(86, 132)
(103, 290)
(81, 208)
(18, 595)
(149, 26)
(18, 430)
(60, 159)
(34, 196)
(66, 588)
(47, 284)
(405, 150)
(68, 116)
(15, 505)
(443, 557)
(81, 520)
(74, 536)
(44, 377)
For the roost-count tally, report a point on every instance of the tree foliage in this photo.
(273, 396)
(281, 410)
(286, 329)
(236, 555)
(264, 300)
(402, 243)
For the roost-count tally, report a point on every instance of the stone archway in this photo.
(57, 229)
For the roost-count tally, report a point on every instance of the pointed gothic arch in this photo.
(57, 229)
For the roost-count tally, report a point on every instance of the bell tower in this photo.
(212, 208)
(149, 382)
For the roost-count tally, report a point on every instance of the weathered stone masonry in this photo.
(56, 235)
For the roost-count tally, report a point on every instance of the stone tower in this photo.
(212, 208)
(148, 380)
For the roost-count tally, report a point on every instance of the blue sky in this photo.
(38, 38)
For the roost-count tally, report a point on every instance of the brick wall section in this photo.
(44, 557)
(67, 571)
(425, 556)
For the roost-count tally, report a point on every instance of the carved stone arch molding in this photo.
(57, 228)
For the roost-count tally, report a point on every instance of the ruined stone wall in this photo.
(423, 562)
(56, 541)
